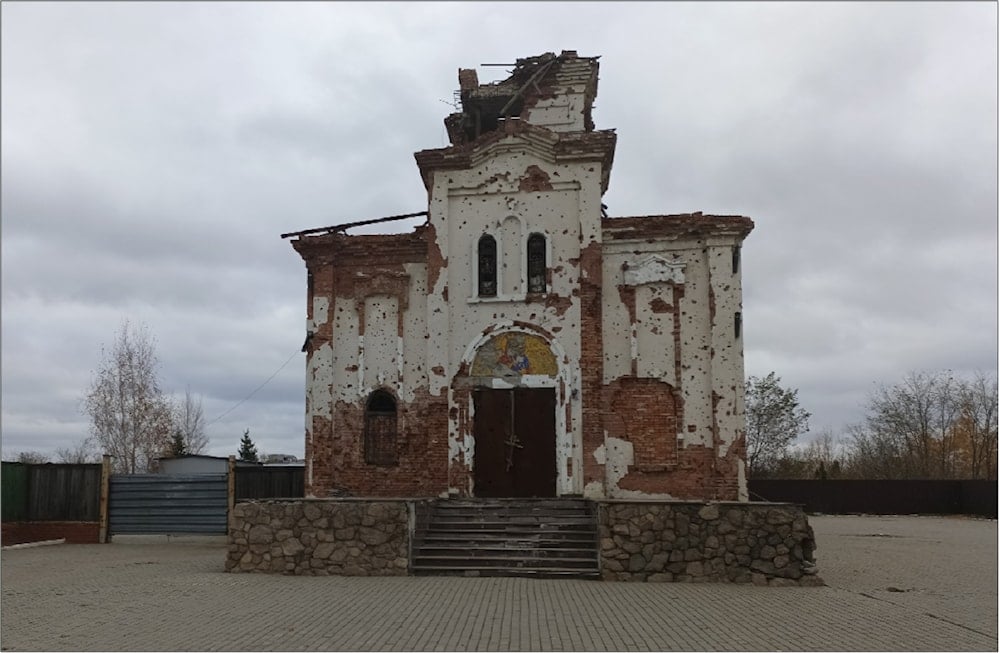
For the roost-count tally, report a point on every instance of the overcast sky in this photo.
(153, 153)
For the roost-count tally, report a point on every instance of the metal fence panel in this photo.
(979, 498)
(170, 504)
(14, 492)
(270, 483)
(58, 492)
(881, 497)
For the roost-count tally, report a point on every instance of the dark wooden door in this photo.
(515, 435)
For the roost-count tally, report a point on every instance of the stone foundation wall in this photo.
(320, 537)
(760, 543)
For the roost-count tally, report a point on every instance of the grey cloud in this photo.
(153, 153)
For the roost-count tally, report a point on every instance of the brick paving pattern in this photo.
(893, 583)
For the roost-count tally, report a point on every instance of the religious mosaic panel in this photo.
(517, 353)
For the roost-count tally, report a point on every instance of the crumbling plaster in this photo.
(649, 299)
(490, 198)
(675, 303)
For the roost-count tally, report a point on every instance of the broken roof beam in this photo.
(348, 225)
(532, 80)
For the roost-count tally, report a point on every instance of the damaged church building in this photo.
(521, 343)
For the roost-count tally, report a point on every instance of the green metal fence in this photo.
(14, 488)
(50, 492)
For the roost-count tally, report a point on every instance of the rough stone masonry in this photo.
(320, 537)
(765, 544)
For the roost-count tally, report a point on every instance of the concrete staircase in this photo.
(541, 538)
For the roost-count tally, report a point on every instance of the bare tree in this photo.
(774, 420)
(32, 458)
(904, 413)
(978, 415)
(80, 453)
(130, 417)
(823, 455)
(189, 419)
(930, 425)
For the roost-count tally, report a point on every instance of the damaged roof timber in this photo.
(348, 225)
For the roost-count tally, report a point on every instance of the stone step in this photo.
(510, 537)
(538, 572)
(480, 536)
(529, 522)
(570, 507)
(509, 514)
(517, 503)
(463, 562)
(504, 551)
(566, 540)
(513, 522)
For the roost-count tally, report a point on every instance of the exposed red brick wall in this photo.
(347, 267)
(698, 474)
(421, 445)
(648, 420)
(534, 180)
(682, 224)
(591, 360)
(645, 413)
(75, 532)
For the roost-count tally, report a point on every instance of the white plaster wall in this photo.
(414, 345)
(320, 374)
(727, 362)
(654, 333)
(467, 203)
(617, 328)
(347, 351)
(695, 353)
(353, 364)
(711, 355)
(557, 114)
(563, 112)
(510, 256)
(381, 360)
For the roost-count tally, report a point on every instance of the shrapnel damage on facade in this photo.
(521, 342)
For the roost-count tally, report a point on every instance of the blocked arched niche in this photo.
(514, 352)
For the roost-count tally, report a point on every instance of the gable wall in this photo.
(510, 196)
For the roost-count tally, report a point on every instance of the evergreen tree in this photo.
(177, 444)
(248, 450)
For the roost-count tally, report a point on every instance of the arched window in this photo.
(487, 266)
(536, 263)
(380, 429)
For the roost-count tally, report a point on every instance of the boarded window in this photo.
(536, 263)
(487, 266)
(380, 429)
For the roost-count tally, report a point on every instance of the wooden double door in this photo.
(515, 431)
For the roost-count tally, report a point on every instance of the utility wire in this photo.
(257, 389)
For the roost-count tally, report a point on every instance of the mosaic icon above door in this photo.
(514, 353)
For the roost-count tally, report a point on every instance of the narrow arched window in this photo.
(380, 429)
(487, 266)
(536, 263)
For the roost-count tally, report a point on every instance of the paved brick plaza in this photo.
(894, 583)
